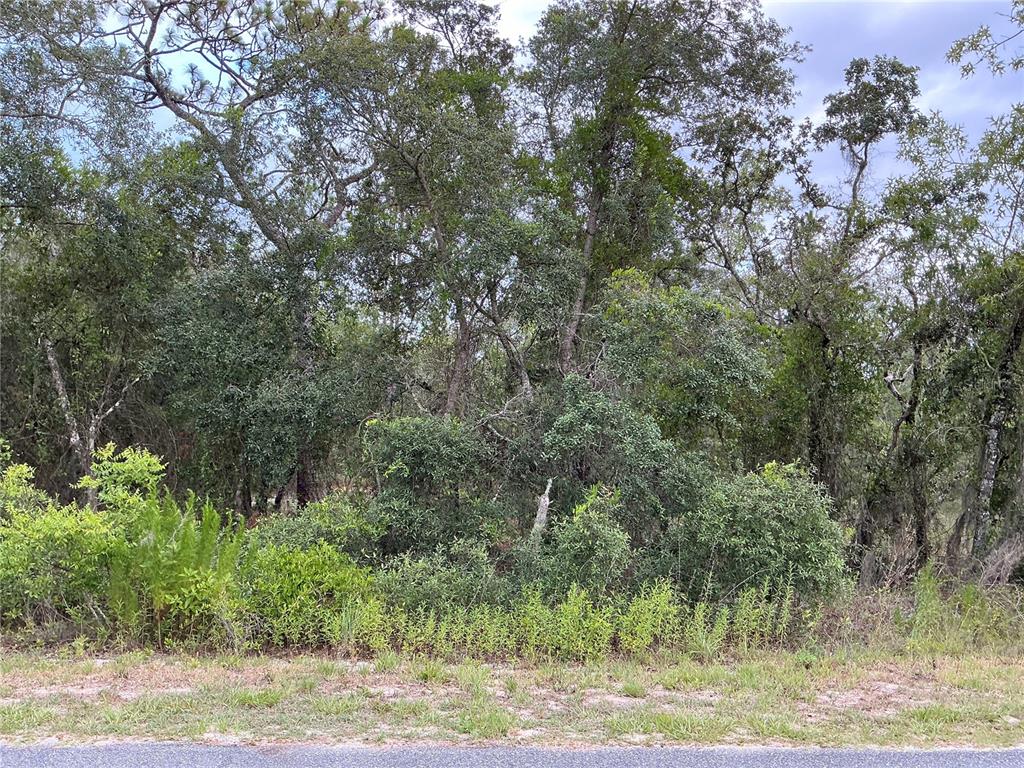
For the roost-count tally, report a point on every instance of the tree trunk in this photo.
(305, 484)
(461, 364)
(917, 475)
(987, 480)
(306, 487)
(540, 520)
(243, 493)
(567, 344)
(956, 534)
(823, 446)
(516, 362)
(863, 557)
(999, 409)
(82, 448)
(914, 461)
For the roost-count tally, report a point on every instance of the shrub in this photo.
(772, 526)
(54, 565)
(123, 479)
(433, 485)
(599, 438)
(461, 575)
(490, 633)
(17, 493)
(964, 617)
(650, 617)
(302, 596)
(705, 631)
(588, 549)
(754, 617)
(535, 626)
(584, 631)
(374, 626)
(339, 520)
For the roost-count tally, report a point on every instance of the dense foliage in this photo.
(556, 348)
(145, 569)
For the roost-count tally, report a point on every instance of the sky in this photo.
(918, 32)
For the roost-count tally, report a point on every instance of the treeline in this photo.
(577, 310)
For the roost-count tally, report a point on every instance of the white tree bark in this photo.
(540, 521)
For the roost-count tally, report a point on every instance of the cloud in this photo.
(519, 17)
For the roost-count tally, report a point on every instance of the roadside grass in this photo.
(760, 697)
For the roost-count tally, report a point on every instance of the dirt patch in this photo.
(90, 692)
(611, 700)
(880, 694)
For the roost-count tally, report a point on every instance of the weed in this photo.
(703, 636)
(634, 689)
(387, 661)
(485, 721)
(23, 717)
(431, 671)
(339, 706)
(472, 678)
(260, 699)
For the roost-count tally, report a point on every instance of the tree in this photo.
(617, 90)
(84, 256)
(227, 78)
(998, 161)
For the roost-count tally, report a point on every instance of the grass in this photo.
(778, 698)
(484, 720)
(634, 689)
(261, 699)
(432, 671)
(341, 707)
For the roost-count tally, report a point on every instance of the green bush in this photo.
(17, 493)
(150, 569)
(432, 482)
(339, 520)
(461, 575)
(55, 565)
(753, 618)
(950, 617)
(303, 596)
(574, 628)
(123, 479)
(588, 548)
(584, 630)
(597, 438)
(651, 617)
(705, 631)
(772, 526)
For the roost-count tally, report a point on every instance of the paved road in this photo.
(195, 756)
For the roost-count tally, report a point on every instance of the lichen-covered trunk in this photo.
(999, 409)
(83, 446)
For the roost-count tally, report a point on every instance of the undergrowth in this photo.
(145, 570)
